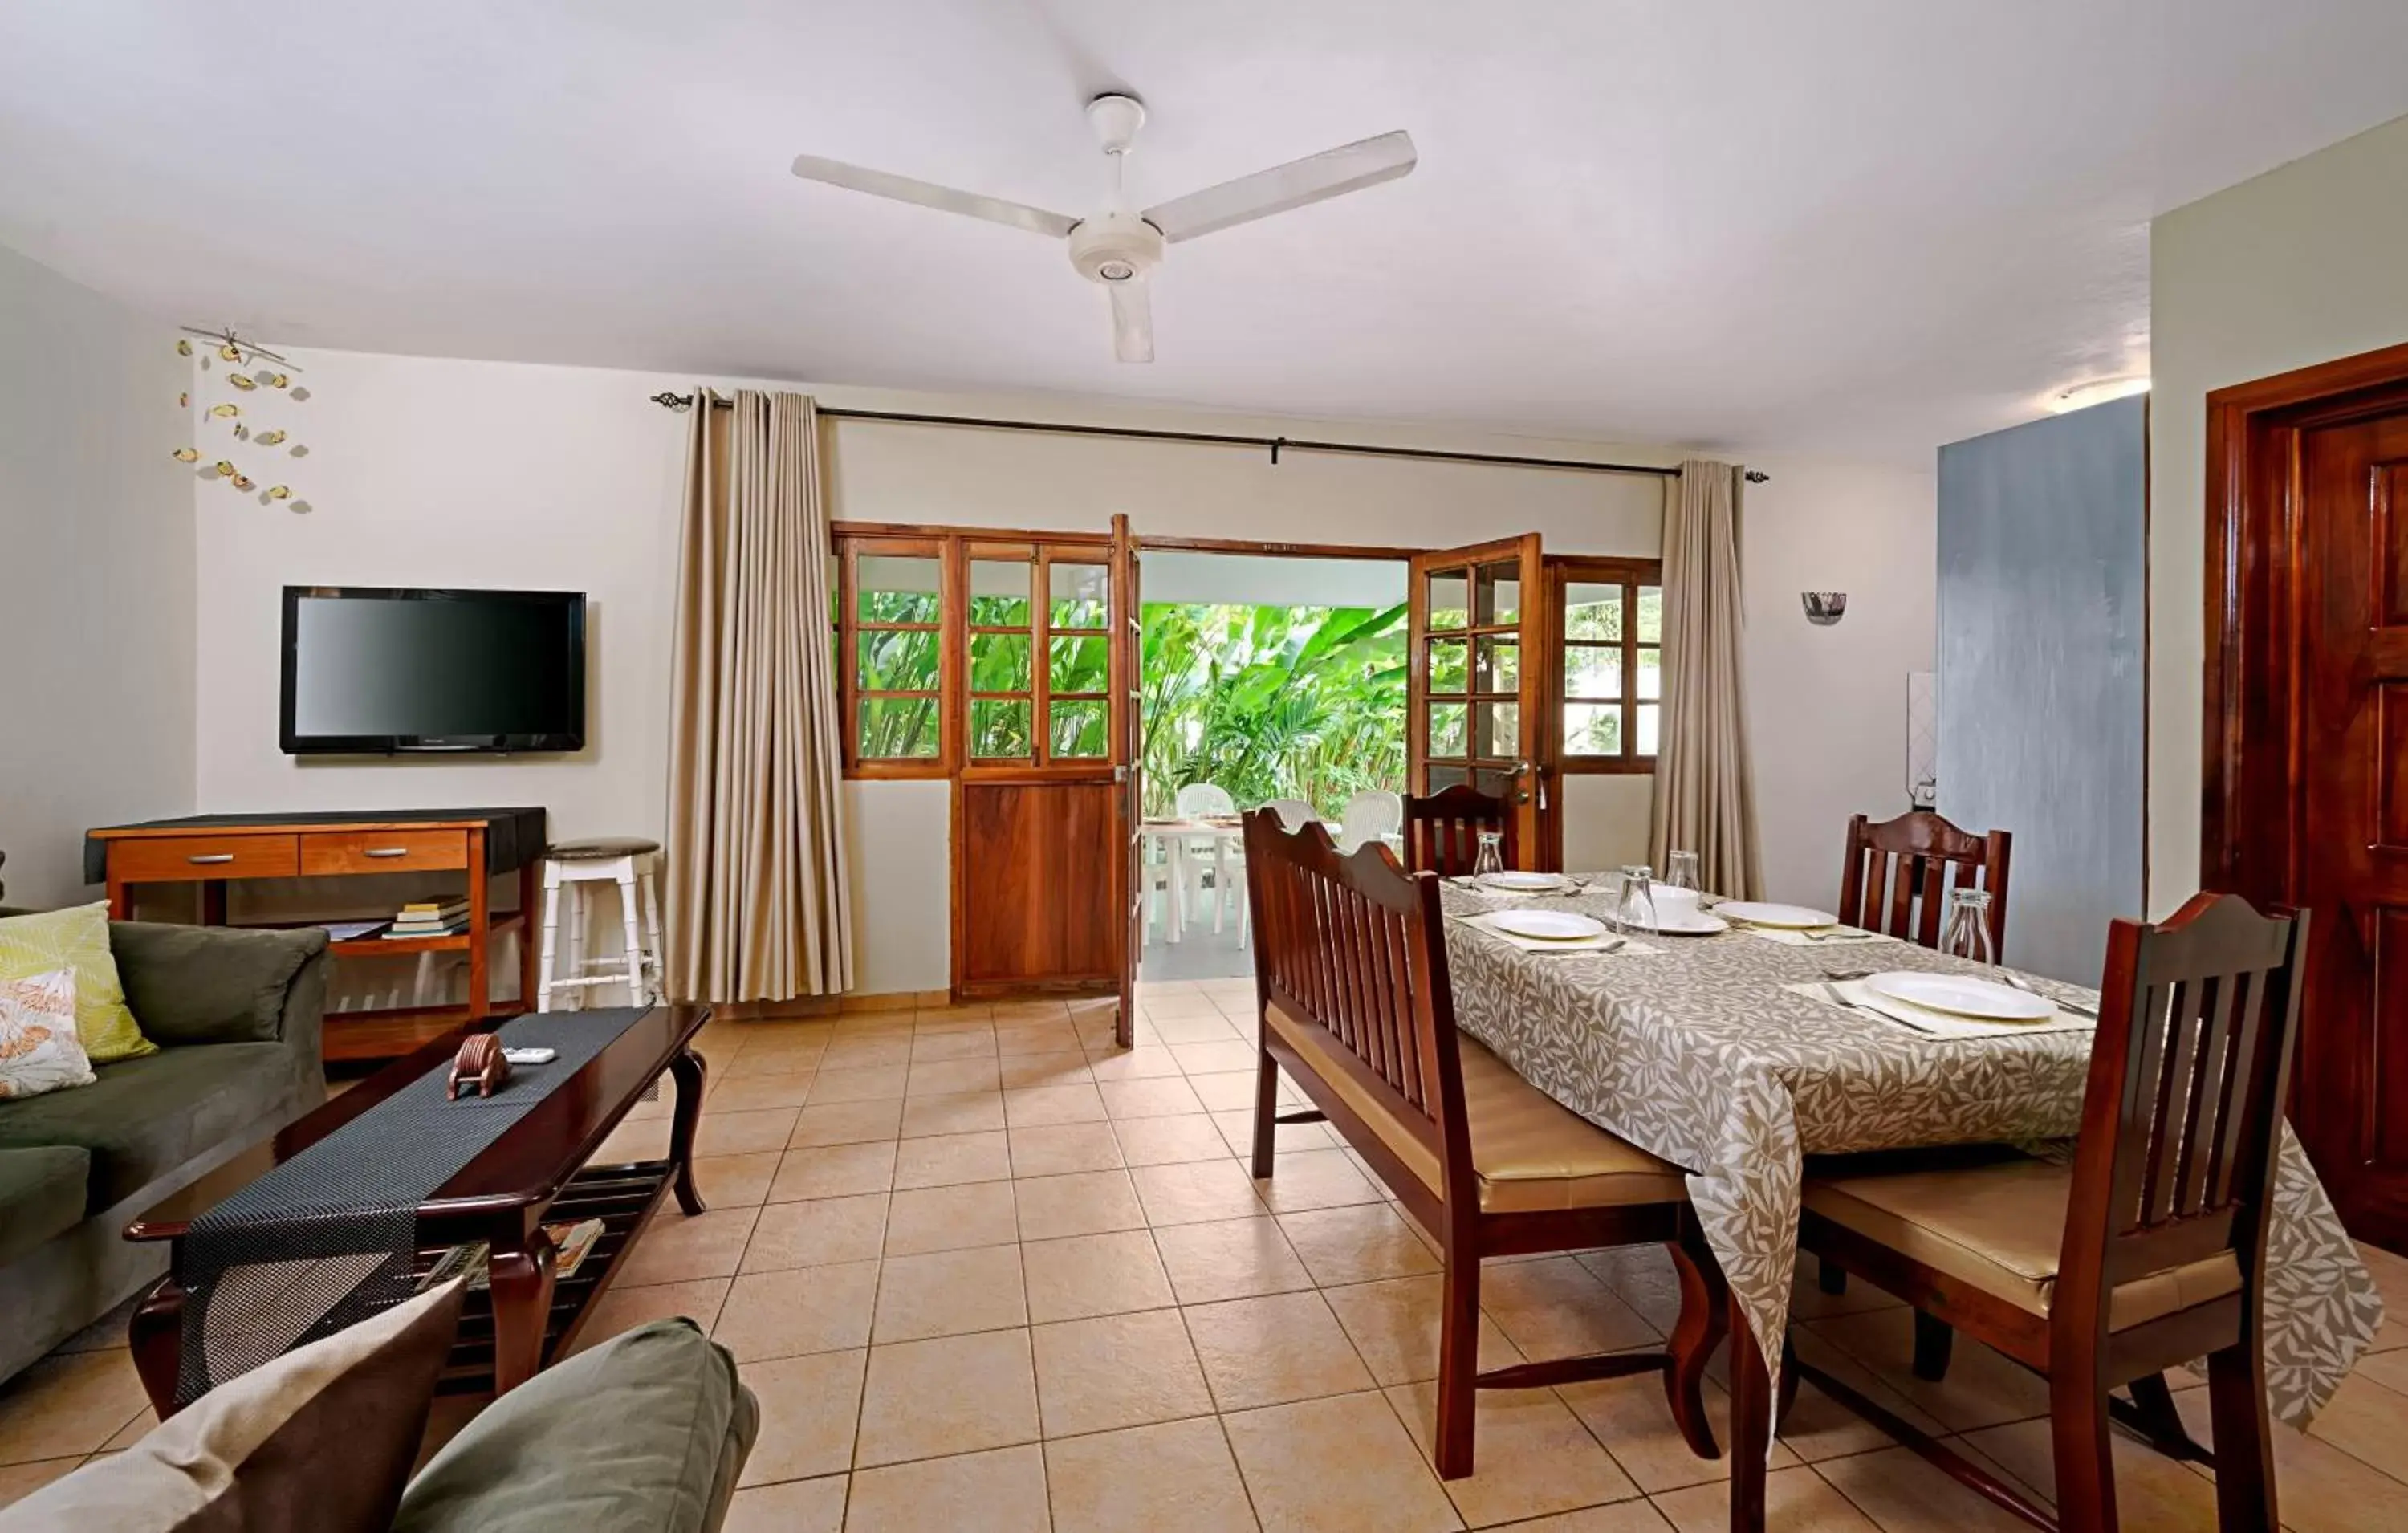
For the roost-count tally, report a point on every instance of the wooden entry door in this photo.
(1476, 686)
(2307, 800)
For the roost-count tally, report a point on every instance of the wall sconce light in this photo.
(1824, 607)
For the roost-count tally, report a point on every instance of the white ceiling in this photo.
(1842, 227)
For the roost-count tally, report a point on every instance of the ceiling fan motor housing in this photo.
(1115, 246)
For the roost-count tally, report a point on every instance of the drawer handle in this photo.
(210, 857)
(387, 851)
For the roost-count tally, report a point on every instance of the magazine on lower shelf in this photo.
(572, 1243)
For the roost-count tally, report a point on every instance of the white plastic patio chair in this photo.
(1207, 801)
(1294, 813)
(1371, 814)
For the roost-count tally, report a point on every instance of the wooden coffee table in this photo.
(535, 1173)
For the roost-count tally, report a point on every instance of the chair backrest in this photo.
(2197, 1022)
(1899, 876)
(1442, 829)
(1204, 801)
(1354, 946)
(1371, 814)
(1294, 813)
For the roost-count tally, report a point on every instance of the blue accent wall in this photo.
(2042, 607)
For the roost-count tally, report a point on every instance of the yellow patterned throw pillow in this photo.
(38, 1051)
(76, 939)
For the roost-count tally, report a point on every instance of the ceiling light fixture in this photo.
(2084, 395)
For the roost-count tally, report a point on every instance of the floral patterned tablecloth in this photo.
(1695, 1053)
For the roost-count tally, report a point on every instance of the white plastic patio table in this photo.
(1175, 837)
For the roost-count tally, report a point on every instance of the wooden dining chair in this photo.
(2148, 1250)
(1442, 829)
(1351, 978)
(1899, 876)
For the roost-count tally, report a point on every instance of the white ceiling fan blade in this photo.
(1132, 321)
(879, 183)
(1329, 174)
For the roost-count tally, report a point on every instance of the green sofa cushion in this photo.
(209, 985)
(41, 1193)
(645, 1433)
(146, 1117)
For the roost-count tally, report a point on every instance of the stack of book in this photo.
(430, 918)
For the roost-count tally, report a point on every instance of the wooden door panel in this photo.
(1037, 886)
(1477, 679)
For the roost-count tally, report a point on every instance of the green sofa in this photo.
(236, 1016)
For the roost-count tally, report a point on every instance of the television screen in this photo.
(380, 670)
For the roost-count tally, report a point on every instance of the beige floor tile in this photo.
(1203, 1027)
(1230, 1090)
(1078, 1203)
(2387, 1368)
(752, 1093)
(847, 1123)
(862, 1054)
(1617, 1517)
(751, 1063)
(132, 1432)
(1049, 1068)
(953, 1218)
(68, 1403)
(102, 1333)
(2153, 1493)
(1274, 1349)
(952, 1076)
(798, 1311)
(19, 1481)
(628, 1306)
(2368, 1422)
(818, 1232)
(638, 1140)
(963, 1113)
(1795, 1501)
(1807, 1300)
(1146, 1062)
(1117, 1370)
(1631, 1418)
(1356, 1244)
(1177, 1003)
(677, 1246)
(809, 1406)
(947, 1160)
(1166, 1141)
(1149, 1098)
(952, 1395)
(798, 1505)
(1344, 1462)
(1237, 1131)
(1031, 1107)
(840, 1170)
(1086, 1275)
(1641, 1277)
(1556, 1308)
(1193, 1192)
(950, 1293)
(1314, 1179)
(1982, 1389)
(736, 1181)
(928, 1048)
(1018, 1012)
(1002, 1490)
(1903, 1492)
(1060, 1149)
(1229, 1258)
(1530, 1456)
(1394, 1325)
(1176, 1477)
(1034, 1038)
(1209, 1058)
(743, 1133)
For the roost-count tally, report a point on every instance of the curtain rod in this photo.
(683, 402)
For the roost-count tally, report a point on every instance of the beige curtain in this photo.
(1705, 788)
(758, 909)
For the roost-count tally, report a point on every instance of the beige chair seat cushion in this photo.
(1999, 1226)
(1532, 1153)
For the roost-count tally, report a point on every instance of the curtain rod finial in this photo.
(1757, 476)
(678, 402)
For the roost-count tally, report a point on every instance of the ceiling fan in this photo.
(1118, 247)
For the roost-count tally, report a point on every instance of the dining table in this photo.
(1694, 1049)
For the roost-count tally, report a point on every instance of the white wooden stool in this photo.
(567, 867)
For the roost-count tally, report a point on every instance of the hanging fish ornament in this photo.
(242, 433)
(183, 347)
(241, 382)
(187, 454)
(230, 351)
(225, 468)
(242, 481)
(281, 380)
(270, 438)
(184, 401)
(280, 492)
(225, 412)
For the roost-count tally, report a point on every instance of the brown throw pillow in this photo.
(321, 1438)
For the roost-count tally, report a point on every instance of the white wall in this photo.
(2298, 267)
(444, 472)
(97, 590)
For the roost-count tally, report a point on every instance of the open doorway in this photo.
(1264, 679)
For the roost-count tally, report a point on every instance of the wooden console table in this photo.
(210, 850)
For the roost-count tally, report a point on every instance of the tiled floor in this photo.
(985, 1271)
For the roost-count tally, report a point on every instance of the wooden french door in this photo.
(1476, 686)
(1128, 768)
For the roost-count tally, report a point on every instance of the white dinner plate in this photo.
(1963, 995)
(1547, 925)
(1521, 882)
(1785, 917)
(1700, 924)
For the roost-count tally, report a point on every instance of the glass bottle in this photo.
(1969, 926)
(1491, 856)
(1635, 911)
(1680, 871)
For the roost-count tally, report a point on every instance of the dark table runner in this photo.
(332, 1235)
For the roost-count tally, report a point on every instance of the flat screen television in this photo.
(371, 671)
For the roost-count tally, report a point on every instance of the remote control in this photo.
(530, 1057)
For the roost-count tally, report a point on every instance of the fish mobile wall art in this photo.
(265, 383)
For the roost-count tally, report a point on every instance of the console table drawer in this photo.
(381, 850)
(177, 859)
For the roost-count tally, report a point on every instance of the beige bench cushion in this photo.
(1532, 1153)
(1999, 1226)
